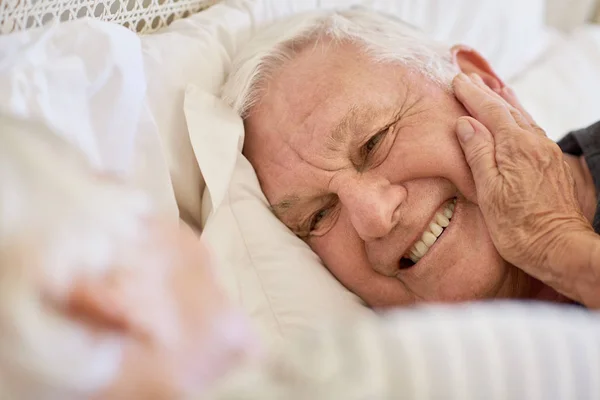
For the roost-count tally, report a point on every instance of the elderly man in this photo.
(350, 125)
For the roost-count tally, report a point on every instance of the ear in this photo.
(470, 61)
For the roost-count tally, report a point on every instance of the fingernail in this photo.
(465, 130)
(476, 78)
(463, 77)
(508, 91)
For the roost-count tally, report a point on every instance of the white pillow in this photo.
(267, 269)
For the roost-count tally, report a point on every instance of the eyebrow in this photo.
(351, 123)
(288, 202)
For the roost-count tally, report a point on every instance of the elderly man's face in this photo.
(361, 160)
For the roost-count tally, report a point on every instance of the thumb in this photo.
(478, 146)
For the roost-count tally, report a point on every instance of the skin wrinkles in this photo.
(345, 135)
(381, 210)
(341, 134)
(348, 134)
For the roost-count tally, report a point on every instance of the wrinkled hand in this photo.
(525, 190)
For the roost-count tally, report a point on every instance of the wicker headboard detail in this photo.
(142, 16)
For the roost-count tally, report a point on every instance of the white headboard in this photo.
(142, 16)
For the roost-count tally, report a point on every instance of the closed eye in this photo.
(372, 143)
(317, 218)
(323, 220)
(369, 151)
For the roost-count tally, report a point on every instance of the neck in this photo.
(584, 184)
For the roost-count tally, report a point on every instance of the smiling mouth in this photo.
(433, 231)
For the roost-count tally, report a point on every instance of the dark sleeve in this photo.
(586, 142)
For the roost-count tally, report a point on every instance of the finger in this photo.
(520, 119)
(511, 98)
(478, 81)
(489, 109)
(569, 174)
(478, 146)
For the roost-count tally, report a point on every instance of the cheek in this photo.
(469, 269)
(433, 152)
(342, 251)
(477, 268)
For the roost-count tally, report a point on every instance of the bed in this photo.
(169, 133)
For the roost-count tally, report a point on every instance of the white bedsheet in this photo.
(491, 351)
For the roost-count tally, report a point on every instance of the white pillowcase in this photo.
(267, 269)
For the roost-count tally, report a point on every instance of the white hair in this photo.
(56, 224)
(382, 37)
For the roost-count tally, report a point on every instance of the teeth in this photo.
(448, 213)
(429, 239)
(414, 252)
(421, 248)
(442, 220)
(436, 227)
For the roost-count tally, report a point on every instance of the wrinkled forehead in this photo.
(322, 80)
(325, 88)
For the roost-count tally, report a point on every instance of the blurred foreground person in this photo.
(100, 298)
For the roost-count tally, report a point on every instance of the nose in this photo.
(373, 204)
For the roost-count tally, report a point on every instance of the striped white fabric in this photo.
(494, 351)
(500, 351)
